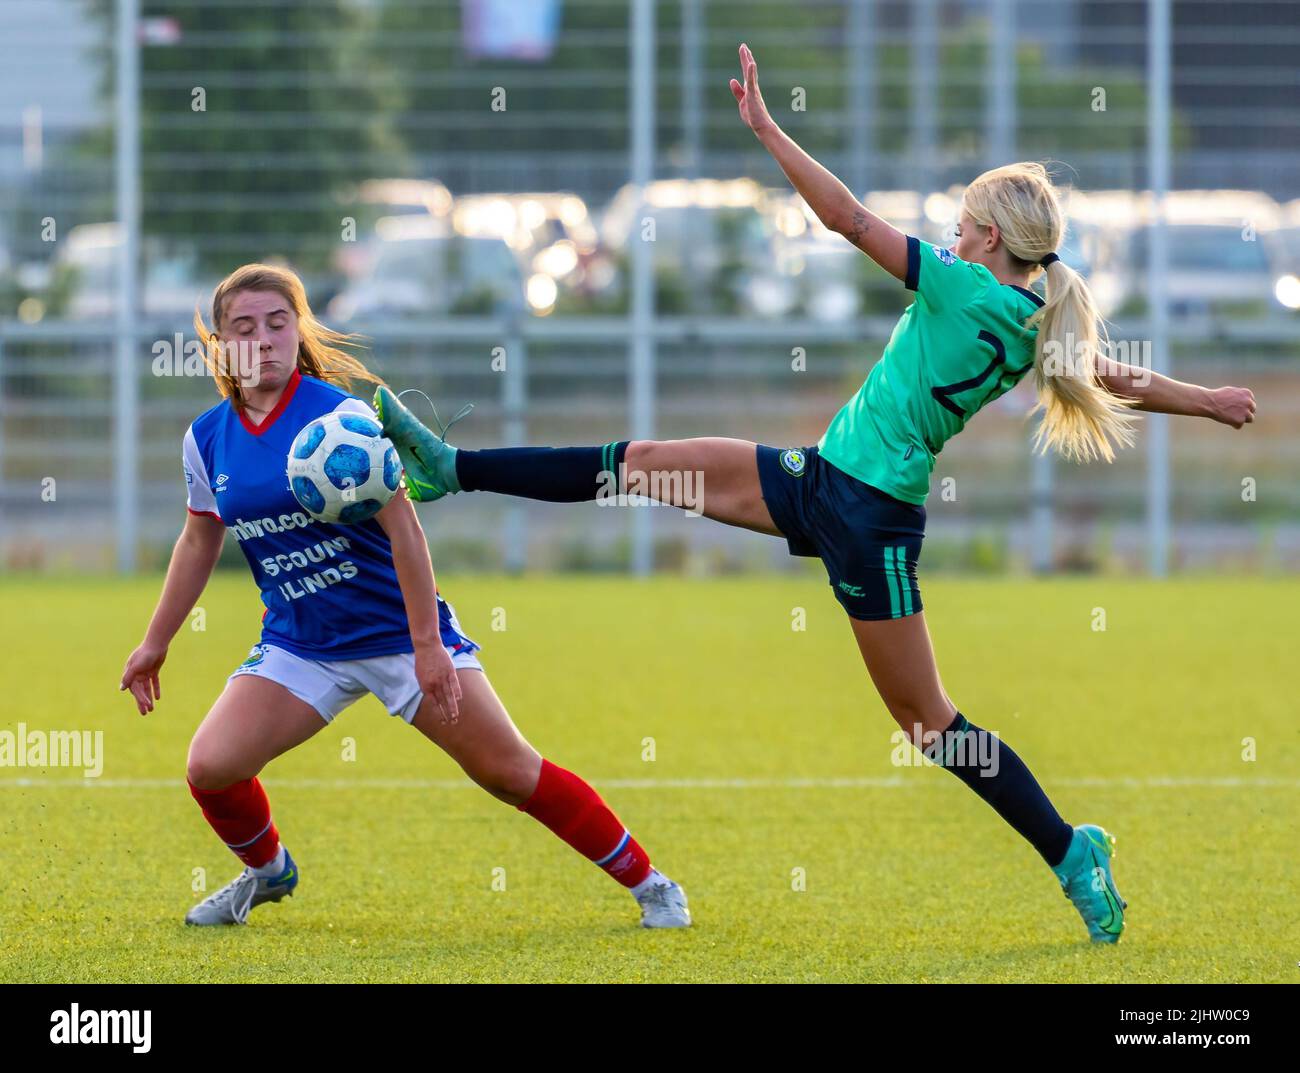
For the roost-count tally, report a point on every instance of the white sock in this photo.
(654, 877)
(273, 867)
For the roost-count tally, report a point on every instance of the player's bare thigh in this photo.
(483, 740)
(252, 722)
(711, 474)
(900, 660)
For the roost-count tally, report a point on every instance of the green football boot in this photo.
(1087, 881)
(428, 459)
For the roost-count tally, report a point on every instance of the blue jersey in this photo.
(330, 591)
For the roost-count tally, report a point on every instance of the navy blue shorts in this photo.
(869, 541)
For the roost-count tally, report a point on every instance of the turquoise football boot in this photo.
(428, 459)
(1087, 881)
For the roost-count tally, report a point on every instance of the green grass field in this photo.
(908, 876)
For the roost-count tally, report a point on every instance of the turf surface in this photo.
(771, 755)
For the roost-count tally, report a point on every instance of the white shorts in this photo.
(329, 686)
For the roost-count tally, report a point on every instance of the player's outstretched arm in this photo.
(830, 199)
(433, 666)
(193, 560)
(1159, 394)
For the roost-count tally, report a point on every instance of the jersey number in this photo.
(944, 395)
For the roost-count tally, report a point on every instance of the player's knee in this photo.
(640, 454)
(206, 770)
(510, 779)
(917, 717)
(650, 455)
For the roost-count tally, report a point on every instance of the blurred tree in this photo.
(253, 118)
(301, 100)
(446, 95)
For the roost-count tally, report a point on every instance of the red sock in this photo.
(241, 816)
(576, 814)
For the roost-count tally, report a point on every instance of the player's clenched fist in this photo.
(141, 676)
(1234, 406)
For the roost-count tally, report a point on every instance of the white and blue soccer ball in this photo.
(342, 469)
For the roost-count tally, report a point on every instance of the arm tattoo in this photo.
(857, 231)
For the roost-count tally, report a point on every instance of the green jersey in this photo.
(960, 345)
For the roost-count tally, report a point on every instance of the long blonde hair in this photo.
(320, 349)
(1081, 418)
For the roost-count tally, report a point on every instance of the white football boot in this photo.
(233, 902)
(663, 904)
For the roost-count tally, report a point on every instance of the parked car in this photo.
(85, 266)
(551, 234)
(711, 244)
(1287, 288)
(420, 274)
(376, 205)
(819, 270)
(1226, 258)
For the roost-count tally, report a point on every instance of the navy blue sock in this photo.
(554, 474)
(989, 767)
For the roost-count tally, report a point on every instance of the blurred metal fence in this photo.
(567, 381)
(303, 101)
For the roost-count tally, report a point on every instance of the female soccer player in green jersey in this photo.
(856, 499)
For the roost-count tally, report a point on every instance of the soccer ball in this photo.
(342, 469)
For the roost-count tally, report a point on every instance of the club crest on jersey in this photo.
(793, 462)
(946, 256)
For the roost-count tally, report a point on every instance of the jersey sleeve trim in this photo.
(199, 495)
(203, 513)
(913, 280)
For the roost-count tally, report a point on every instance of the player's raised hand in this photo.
(141, 675)
(1234, 406)
(752, 109)
(438, 679)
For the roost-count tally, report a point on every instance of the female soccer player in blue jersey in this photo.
(856, 499)
(350, 610)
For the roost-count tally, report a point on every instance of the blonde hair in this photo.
(1081, 418)
(320, 349)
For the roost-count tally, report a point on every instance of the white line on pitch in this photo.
(856, 782)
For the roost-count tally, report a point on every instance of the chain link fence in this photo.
(278, 130)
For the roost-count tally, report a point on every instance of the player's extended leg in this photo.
(492, 752)
(900, 660)
(253, 721)
(713, 476)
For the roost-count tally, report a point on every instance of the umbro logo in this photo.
(221, 482)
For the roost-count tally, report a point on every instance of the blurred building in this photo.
(1235, 86)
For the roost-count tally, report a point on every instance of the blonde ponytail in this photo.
(1082, 420)
(320, 349)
